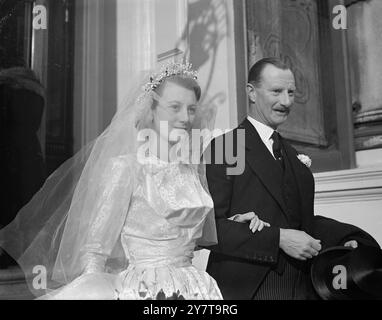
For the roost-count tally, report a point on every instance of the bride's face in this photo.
(176, 109)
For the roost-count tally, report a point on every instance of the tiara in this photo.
(168, 70)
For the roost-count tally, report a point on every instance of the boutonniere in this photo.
(305, 159)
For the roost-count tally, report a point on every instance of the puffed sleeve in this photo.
(111, 209)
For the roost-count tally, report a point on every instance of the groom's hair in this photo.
(256, 71)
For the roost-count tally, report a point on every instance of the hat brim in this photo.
(366, 270)
(322, 273)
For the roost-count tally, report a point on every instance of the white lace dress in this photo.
(165, 218)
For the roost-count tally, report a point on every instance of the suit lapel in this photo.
(263, 164)
(304, 179)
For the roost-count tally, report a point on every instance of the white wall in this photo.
(212, 51)
(95, 65)
(352, 196)
(135, 42)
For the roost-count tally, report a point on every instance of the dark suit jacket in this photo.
(241, 259)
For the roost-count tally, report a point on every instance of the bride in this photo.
(121, 220)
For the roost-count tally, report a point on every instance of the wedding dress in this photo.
(165, 216)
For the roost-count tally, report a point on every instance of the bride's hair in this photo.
(145, 119)
(185, 82)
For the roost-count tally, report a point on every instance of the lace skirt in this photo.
(141, 283)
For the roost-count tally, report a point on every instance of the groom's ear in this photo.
(251, 92)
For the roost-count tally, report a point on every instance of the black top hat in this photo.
(344, 273)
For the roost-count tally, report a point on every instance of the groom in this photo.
(279, 188)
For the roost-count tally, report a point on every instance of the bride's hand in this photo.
(255, 224)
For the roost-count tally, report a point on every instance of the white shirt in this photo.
(264, 132)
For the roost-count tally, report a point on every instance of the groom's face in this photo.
(272, 99)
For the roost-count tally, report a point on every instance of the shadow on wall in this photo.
(207, 25)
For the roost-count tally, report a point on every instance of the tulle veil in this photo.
(51, 230)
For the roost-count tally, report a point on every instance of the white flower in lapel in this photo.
(305, 159)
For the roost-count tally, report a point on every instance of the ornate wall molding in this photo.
(355, 185)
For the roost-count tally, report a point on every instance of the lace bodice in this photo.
(165, 216)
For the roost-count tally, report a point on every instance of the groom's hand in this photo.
(352, 243)
(298, 244)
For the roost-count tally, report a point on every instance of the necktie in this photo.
(276, 147)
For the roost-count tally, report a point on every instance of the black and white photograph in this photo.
(203, 150)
